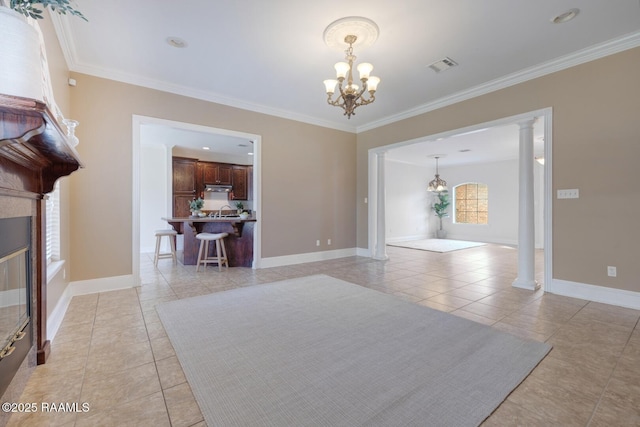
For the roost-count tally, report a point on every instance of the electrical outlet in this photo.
(612, 271)
(317, 242)
(366, 200)
(572, 193)
(329, 242)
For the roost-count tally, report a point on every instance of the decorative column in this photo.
(381, 247)
(526, 238)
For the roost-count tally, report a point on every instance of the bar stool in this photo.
(171, 234)
(221, 250)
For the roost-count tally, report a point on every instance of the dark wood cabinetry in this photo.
(240, 181)
(190, 177)
(185, 185)
(216, 173)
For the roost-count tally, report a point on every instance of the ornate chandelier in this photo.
(351, 95)
(437, 185)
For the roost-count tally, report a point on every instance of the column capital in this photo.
(527, 123)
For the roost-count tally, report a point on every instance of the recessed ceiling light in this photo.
(565, 16)
(250, 154)
(206, 148)
(176, 42)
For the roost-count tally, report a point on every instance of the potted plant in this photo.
(24, 72)
(195, 206)
(239, 207)
(440, 209)
(27, 7)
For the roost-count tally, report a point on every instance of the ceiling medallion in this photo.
(351, 31)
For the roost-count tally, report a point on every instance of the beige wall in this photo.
(596, 148)
(309, 182)
(308, 175)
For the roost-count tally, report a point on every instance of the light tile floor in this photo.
(112, 351)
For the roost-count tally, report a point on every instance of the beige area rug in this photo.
(318, 351)
(437, 245)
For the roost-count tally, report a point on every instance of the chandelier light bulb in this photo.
(372, 83)
(365, 69)
(342, 68)
(330, 86)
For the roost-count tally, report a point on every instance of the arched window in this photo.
(471, 203)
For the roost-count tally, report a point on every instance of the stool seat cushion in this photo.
(166, 232)
(211, 236)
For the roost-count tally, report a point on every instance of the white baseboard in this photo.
(103, 284)
(280, 261)
(619, 297)
(54, 319)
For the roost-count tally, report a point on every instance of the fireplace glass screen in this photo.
(13, 295)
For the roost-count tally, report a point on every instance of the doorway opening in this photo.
(145, 134)
(378, 178)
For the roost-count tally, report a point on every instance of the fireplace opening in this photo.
(16, 335)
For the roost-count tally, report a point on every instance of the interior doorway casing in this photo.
(374, 182)
(137, 122)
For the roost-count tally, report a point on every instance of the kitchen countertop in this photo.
(196, 223)
(228, 218)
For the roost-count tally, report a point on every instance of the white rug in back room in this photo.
(437, 245)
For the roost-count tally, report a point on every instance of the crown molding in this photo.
(591, 53)
(61, 26)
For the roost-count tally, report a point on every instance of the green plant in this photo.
(440, 208)
(27, 8)
(196, 204)
(239, 205)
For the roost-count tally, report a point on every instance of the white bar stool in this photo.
(171, 234)
(221, 250)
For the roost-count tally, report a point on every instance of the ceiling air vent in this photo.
(443, 64)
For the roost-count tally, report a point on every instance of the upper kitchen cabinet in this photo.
(240, 187)
(184, 176)
(216, 173)
(184, 185)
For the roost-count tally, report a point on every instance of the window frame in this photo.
(52, 218)
(456, 203)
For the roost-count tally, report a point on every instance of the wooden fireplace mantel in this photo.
(31, 137)
(34, 154)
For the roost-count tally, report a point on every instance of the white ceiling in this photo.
(269, 56)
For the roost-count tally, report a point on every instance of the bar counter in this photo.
(239, 242)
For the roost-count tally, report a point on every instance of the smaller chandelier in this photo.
(437, 185)
(351, 96)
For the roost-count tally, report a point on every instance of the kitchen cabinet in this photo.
(184, 184)
(184, 176)
(250, 182)
(181, 205)
(216, 173)
(240, 180)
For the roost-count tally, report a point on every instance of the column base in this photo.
(531, 285)
(383, 257)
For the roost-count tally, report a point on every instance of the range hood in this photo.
(217, 188)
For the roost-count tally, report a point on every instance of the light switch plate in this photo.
(572, 193)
